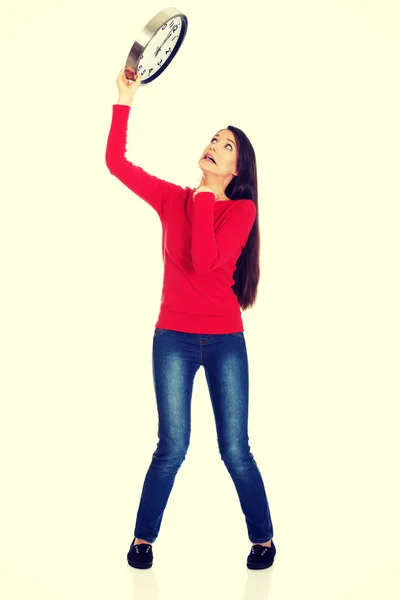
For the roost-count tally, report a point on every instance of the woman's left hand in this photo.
(203, 188)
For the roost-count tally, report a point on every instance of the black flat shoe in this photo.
(261, 557)
(140, 556)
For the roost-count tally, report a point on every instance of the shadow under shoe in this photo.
(140, 556)
(261, 557)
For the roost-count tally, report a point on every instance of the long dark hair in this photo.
(244, 186)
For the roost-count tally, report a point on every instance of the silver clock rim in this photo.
(146, 35)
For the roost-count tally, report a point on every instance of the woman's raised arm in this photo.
(148, 187)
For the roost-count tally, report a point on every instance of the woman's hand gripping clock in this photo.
(127, 87)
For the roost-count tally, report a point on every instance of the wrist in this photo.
(125, 101)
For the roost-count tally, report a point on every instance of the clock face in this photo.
(161, 48)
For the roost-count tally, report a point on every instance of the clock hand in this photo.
(166, 39)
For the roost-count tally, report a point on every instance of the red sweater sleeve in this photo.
(148, 187)
(211, 250)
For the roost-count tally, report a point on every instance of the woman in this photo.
(210, 245)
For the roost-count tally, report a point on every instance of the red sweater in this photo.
(202, 239)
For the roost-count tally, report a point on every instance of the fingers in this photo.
(128, 75)
(122, 72)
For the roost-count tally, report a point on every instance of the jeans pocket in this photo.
(158, 331)
(238, 335)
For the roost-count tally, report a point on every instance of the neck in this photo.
(215, 184)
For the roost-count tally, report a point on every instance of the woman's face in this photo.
(223, 149)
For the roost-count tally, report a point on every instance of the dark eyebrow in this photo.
(227, 139)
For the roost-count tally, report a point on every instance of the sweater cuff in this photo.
(207, 198)
(121, 107)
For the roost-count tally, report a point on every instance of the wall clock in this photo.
(157, 45)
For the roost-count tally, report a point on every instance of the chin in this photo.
(205, 169)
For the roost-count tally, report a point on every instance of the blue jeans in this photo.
(177, 357)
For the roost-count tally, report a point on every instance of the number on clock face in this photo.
(160, 48)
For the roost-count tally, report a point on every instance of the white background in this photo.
(315, 86)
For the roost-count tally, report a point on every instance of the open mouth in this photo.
(209, 158)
